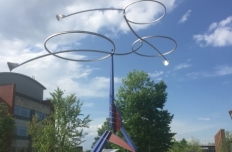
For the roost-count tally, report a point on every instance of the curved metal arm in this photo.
(146, 22)
(141, 39)
(12, 65)
(84, 32)
(59, 17)
(154, 36)
(144, 41)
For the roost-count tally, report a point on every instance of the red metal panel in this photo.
(117, 120)
(118, 141)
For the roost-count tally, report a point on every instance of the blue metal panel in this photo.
(128, 139)
(101, 142)
(111, 97)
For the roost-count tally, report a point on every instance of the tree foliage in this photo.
(7, 125)
(179, 146)
(226, 144)
(194, 145)
(63, 129)
(184, 146)
(141, 103)
(43, 134)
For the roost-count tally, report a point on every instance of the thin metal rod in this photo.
(97, 9)
(141, 38)
(66, 51)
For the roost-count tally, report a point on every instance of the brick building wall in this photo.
(7, 93)
(24, 98)
(218, 138)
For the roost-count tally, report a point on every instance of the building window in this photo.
(21, 131)
(41, 116)
(19, 111)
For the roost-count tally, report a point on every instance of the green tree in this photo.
(194, 145)
(43, 134)
(184, 146)
(226, 143)
(179, 146)
(63, 129)
(7, 125)
(223, 147)
(141, 103)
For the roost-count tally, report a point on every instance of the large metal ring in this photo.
(86, 50)
(124, 12)
(138, 40)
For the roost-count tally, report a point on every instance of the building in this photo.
(218, 139)
(24, 98)
(208, 148)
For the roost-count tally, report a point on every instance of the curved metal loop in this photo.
(124, 12)
(85, 50)
(155, 36)
(141, 39)
(113, 52)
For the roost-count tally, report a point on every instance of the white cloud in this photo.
(182, 66)
(52, 72)
(219, 71)
(212, 26)
(218, 35)
(223, 70)
(92, 131)
(183, 127)
(85, 87)
(193, 75)
(201, 130)
(88, 104)
(185, 17)
(225, 82)
(156, 74)
(36, 20)
(205, 119)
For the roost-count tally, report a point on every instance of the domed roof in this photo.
(24, 85)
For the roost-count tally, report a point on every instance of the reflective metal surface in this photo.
(78, 60)
(142, 40)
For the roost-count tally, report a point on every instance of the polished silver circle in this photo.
(113, 52)
(124, 12)
(141, 43)
(81, 50)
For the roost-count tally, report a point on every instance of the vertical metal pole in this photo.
(112, 106)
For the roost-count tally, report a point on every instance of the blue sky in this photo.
(198, 77)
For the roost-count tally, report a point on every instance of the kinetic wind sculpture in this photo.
(114, 114)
